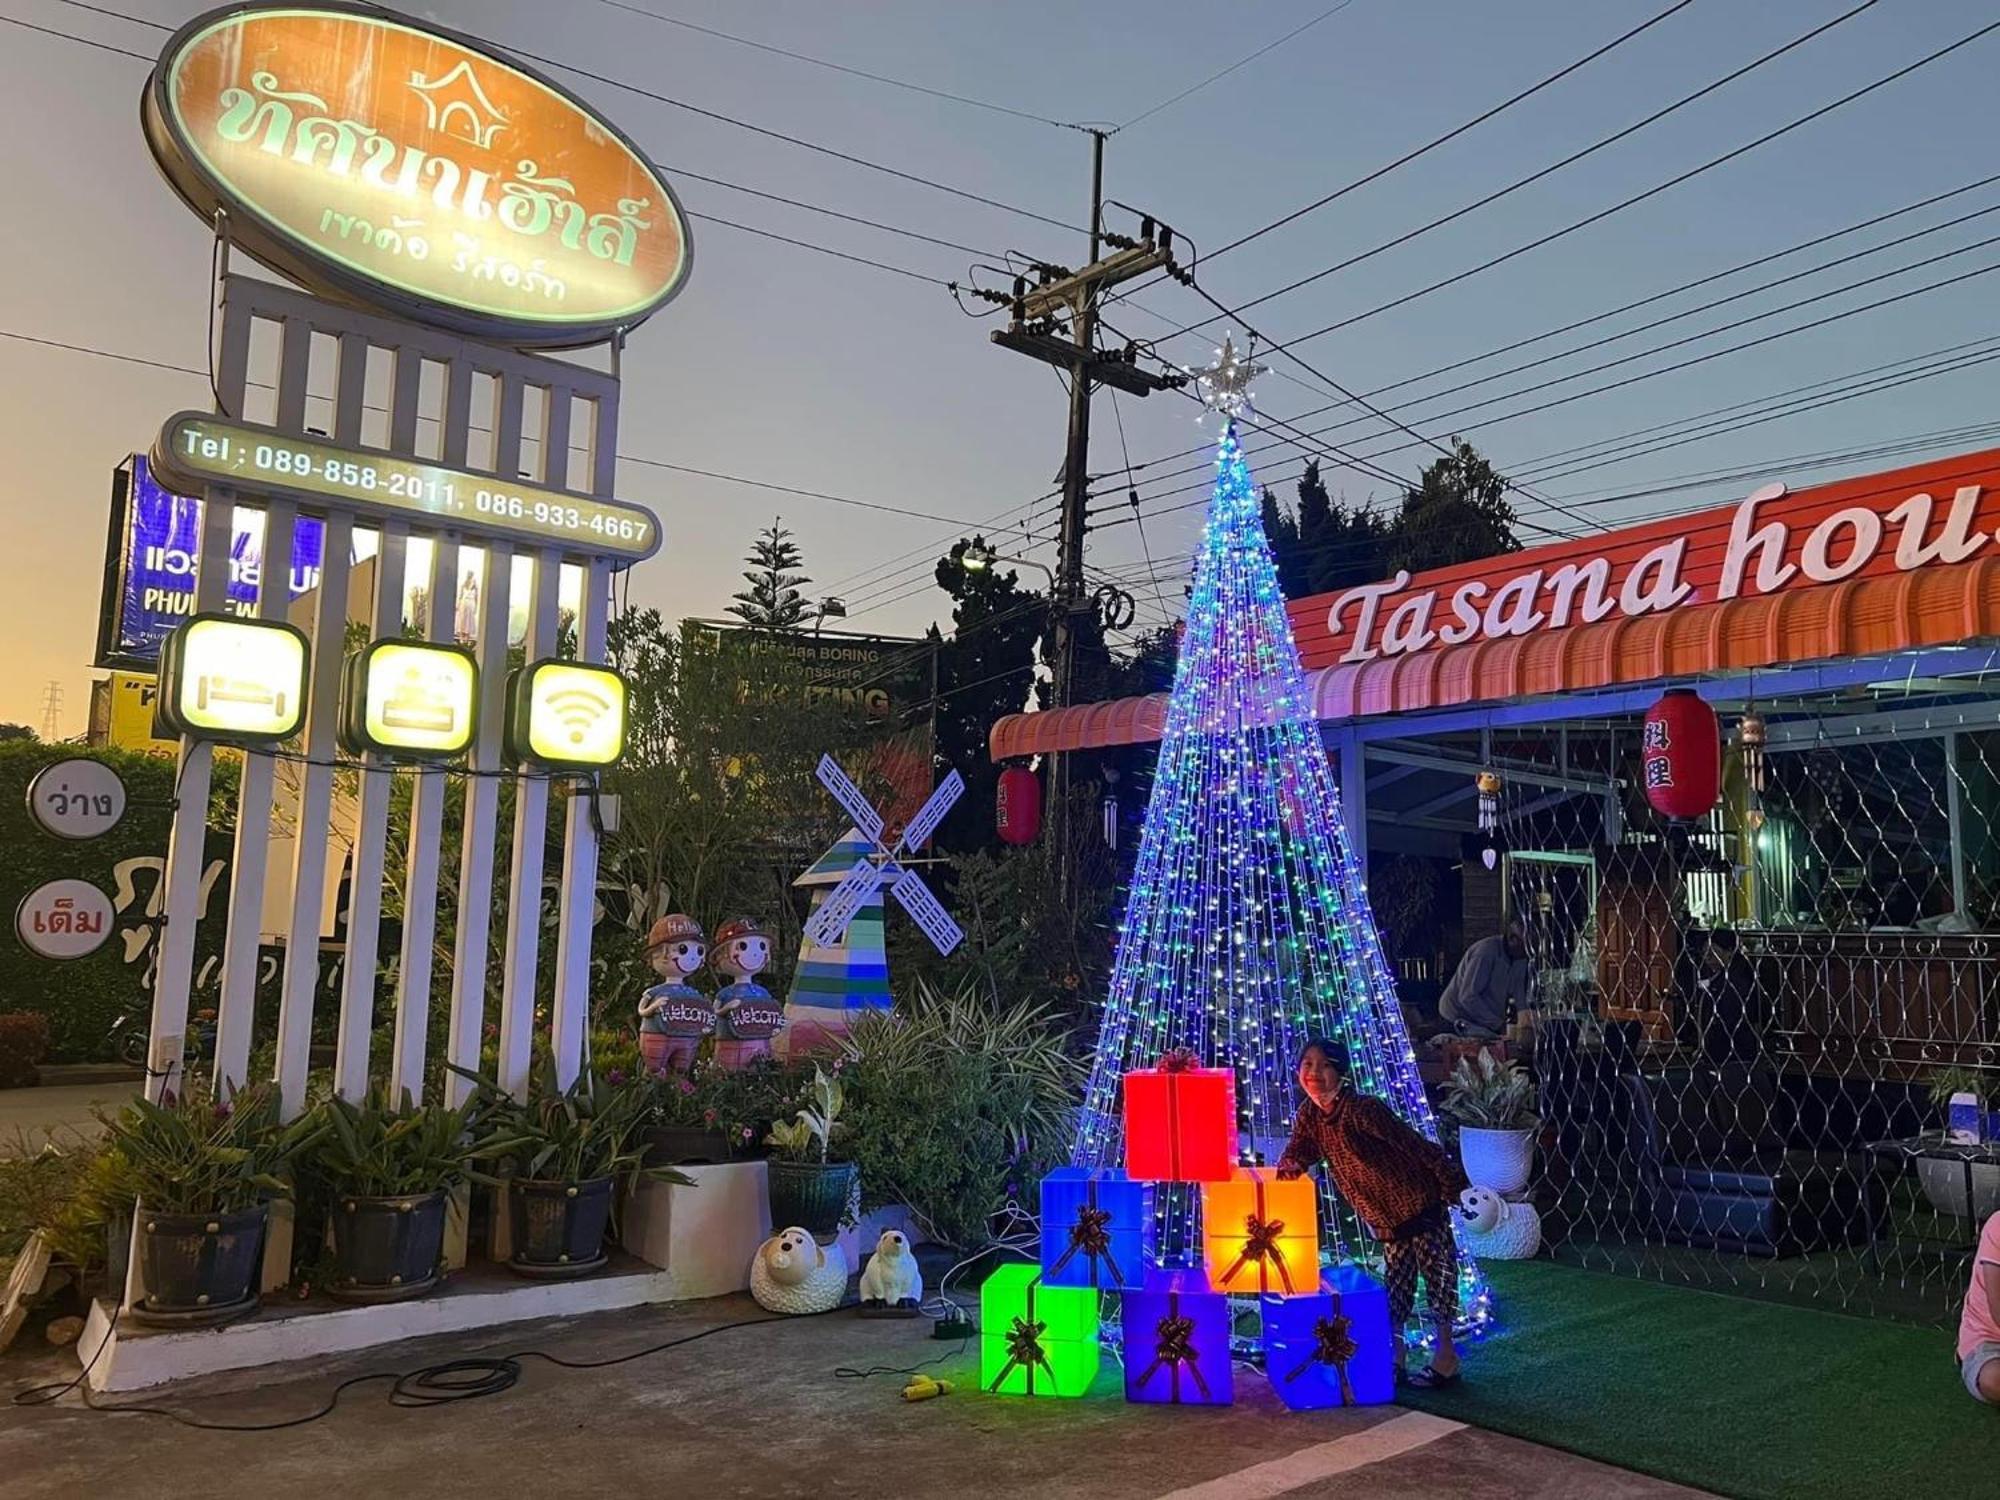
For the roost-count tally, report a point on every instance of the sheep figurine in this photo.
(1497, 1229)
(891, 1279)
(794, 1273)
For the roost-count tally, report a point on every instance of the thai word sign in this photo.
(1773, 540)
(413, 169)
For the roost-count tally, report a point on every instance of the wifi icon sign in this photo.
(579, 710)
(567, 714)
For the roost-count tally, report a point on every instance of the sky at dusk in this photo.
(781, 366)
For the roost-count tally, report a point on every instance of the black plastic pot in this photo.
(199, 1267)
(385, 1249)
(559, 1226)
(812, 1195)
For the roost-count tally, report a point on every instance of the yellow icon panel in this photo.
(410, 698)
(567, 714)
(239, 680)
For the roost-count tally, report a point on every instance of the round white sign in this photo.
(64, 919)
(77, 799)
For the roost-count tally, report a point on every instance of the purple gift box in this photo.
(1176, 1341)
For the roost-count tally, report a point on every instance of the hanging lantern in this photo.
(1018, 806)
(1681, 753)
(1489, 785)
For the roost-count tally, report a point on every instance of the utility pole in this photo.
(1061, 296)
(52, 705)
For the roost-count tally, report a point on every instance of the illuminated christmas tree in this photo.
(1247, 928)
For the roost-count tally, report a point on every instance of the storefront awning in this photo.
(1934, 605)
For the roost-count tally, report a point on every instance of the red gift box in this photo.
(1180, 1123)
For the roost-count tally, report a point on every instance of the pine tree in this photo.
(1247, 928)
(773, 600)
(1458, 510)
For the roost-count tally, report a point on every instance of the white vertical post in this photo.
(1354, 796)
(1954, 801)
(571, 1018)
(312, 835)
(187, 842)
(524, 899)
(237, 1008)
(482, 802)
(420, 881)
(378, 780)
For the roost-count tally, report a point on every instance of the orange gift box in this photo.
(1259, 1234)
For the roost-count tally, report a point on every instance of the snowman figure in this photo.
(673, 1015)
(746, 1014)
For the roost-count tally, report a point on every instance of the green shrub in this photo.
(954, 1104)
(24, 1042)
(195, 1156)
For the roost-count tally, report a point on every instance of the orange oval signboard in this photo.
(411, 169)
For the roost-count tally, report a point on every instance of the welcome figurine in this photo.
(747, 1015)
(674, 1016)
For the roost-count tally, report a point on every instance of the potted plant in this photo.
(684, 1127)
(807, 1187)
(1493, 1103)
(389, 1174)
(560, 1155)
(1946, 1183)
(201, 1175)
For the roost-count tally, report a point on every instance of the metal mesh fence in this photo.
(1743, 1031)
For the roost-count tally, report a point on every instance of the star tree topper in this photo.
(1225, 385)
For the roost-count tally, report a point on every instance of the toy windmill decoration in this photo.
(881, 866)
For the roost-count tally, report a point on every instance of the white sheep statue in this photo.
(891, 1279)
(1496, 1229)
(794, 1273)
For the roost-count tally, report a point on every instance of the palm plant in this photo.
(376, 1150)
(196, 1156)
(590, 1130)
(1487, 1094)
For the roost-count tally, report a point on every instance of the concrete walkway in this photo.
(771, 1411)
(29, 1117)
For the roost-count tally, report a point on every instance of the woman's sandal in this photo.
(1431, 1378)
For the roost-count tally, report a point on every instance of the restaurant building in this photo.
(1765, 1121)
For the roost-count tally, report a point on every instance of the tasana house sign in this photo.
(377, 159)
(1771, 541)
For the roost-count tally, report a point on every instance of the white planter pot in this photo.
(1497, 1159)
(1943, 1182)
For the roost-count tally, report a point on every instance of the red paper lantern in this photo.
(1018, 805)
(1681, 749)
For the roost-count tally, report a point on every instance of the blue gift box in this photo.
(1176, 1341)
(1097, 1228)
(1333, 1347)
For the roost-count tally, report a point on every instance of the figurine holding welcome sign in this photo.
(674, 1016)
(747, 1015)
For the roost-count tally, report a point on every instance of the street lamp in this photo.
(979, 559)
(828, 609)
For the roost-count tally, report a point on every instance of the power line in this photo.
(1454, 133)
(81, 40)
(815, 208)
(852, 72)
(1575, 156)
(1241, 62)
(1641, 197)
(785, 239)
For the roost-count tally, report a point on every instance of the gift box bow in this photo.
(1091, 1233)
(1173, 1346)
(1333, 1346)
(1024, 1351)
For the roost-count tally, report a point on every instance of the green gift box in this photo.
(1036, 1340)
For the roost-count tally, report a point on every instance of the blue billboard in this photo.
(149, 573)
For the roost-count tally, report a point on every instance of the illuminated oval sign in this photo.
(408, 168)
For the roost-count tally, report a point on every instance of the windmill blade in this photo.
(848, 795)
(917, 832)
(828, 925)
(936, 922)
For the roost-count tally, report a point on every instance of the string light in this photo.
(1247, 928)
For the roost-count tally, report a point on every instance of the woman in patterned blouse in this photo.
(1400, 1185)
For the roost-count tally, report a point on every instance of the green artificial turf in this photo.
(1743, 1398)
